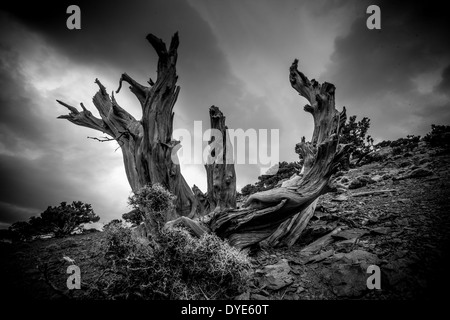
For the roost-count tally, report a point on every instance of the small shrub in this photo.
(439, 136)
(153, 197)
(397, 151)
(154, 202)
(119, 241)
(402, 145)
(65, 218)
(60, 221)
(135, 217)
(179, 267)
(360, 181)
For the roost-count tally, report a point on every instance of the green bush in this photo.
(65, 218)
(112, 223)
(22, 231)
(119, 241)
(60, 221)
(179, 267)
(153, 197)
(439, 136)
(154, 202)
(135, 217)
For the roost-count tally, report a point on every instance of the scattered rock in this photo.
(404, 164)
(416, 173)
(300, 289)
(360, 181)
(381, 230)
(359, 256)
(407, 154)
(344, 180)
(403, 222)
(377, 178)
(277, 275)
(420, 172)
(345, 280)
(346, 242)
(340, 198)
(243, 296)
(321, 256)
(350, 234)
(394, 271)
(347, 275)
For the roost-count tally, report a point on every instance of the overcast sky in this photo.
(233, 54)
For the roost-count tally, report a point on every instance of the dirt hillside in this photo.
(392, 213)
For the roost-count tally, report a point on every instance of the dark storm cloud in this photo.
(34, 171)
(30, 184)
(11, 213)
(39, 165)
(369, 66)
(113, 36)
(18, 110)
(410, 41)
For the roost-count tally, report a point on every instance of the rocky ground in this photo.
(393, 213)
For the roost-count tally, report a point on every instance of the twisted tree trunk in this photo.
(271, 215)
(327, 121)
(149, 153)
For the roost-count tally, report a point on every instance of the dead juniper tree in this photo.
(273, 217)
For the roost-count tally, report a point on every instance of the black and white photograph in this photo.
(225, 158)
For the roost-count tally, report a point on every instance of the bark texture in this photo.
(327, 122)
(220, 173)
(149, 152)
(264, 212)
